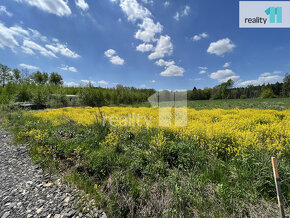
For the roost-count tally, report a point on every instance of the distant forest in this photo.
(43, 88)
(226, 91)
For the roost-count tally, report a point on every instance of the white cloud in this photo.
(111, 54)
(68, 68)
(199, 36)
(221, 47)
(227, 64)
(134, 10)
(57, 7)
(153, 81)
(70, 84)
(148, 2)
(202, 68)
(29, 67)
(7, 37)
(27, 44)
(186, 11)
(147, 30)
(198, 79)
(144, 47)
(103, 82)
(163, 47)
(265, 74)
(183, 13)
(202, 72)
(170, 68)
(277, 72)
(166, 4)
(82, 4)
(224, 75)
(88, 81)
(3, 10)
(37, 35)
(63, 50)
(162, 62)
(28, 40)
(176, 16)
(27, 50)
(173, 70)
(117, 60)
(264, 78)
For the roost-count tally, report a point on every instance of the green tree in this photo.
(4, 74)
(16, 75)
(55, 79)
(286, 86)
(39, 78)
(267, 92)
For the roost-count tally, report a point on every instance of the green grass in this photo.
(258, 103)
(135, 180)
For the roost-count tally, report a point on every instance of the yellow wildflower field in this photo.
(233, 131)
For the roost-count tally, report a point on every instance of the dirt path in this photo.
(27, 191)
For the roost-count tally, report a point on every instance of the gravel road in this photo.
(27, 191)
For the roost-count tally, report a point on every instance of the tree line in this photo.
(226, 91)
(43, 88)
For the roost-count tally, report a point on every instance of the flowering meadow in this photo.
(235, 131)
(137, 162)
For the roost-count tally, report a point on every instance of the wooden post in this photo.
(278, 186)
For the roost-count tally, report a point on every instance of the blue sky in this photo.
(143, 43)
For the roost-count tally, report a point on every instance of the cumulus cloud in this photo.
(88, 82)
(173, 70)
(202, 68)
(221, 47)
(3, 10)
(264, 78)
(111, 54)
(153, 81)
(227, 64)
(202, 72)
(57, 7)
(147, 30)
(63, 50)
(144, 47)
(82, 4)
(163, 47)
(162, 62)
(224, 75)
(29, 67)
(183, 13)
(68, 68)
(170, 68)
(199, 36)
(103, 82)
(134, 10)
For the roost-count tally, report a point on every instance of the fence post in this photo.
(278, 186)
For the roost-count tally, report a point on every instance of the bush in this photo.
(40, 96)
(24, 94)
(268, 93)
(91, 96)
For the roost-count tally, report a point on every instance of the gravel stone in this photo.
(28, 191)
